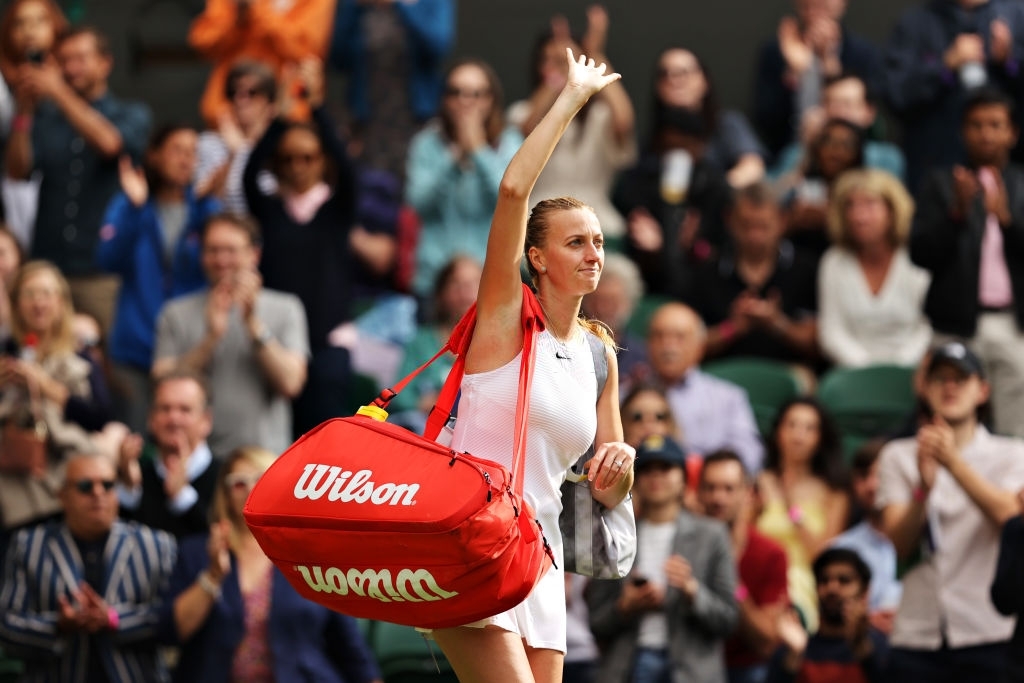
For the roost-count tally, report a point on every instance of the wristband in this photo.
(112, 619)
(741, 593)
(22, 123)
(920, 495)
(796, 515)
(208, 586)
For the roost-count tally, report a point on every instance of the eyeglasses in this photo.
(452, 91)
(640, 417)
(306, 158)
(87, 486)
(241, 480)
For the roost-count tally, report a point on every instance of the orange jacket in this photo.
(267, 35)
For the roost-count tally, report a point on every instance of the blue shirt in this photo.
(879, 554)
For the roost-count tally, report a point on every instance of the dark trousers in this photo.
(326, 394)
(987, 663)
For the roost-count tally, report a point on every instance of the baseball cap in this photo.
(957, 355)
(659, 449)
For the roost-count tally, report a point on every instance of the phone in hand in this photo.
(639, 581)
(34, 56)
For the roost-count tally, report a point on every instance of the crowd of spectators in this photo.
(178, 305)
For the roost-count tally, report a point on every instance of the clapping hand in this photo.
(133, 181)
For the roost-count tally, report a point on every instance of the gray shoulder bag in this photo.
(597, 542)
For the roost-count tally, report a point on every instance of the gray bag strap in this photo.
(600, 353)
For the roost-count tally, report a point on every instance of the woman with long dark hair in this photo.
(455, 166)
(803, 486)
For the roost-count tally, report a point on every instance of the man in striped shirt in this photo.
(80, 597)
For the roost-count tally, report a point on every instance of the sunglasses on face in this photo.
(87, 486)
(640, 417)
(238, 481)
(452, 91)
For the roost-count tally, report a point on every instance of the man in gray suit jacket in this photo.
(80, 598)
(667, 622)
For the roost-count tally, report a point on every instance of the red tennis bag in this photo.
(373, 521)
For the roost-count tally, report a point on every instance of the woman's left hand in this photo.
(612, 462)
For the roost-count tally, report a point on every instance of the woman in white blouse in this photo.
(870, 295)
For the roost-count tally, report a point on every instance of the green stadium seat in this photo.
(768, 384)
(868, 402)
(641, 317)
(405, 656)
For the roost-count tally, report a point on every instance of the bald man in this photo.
(713, 413)
(80, 597)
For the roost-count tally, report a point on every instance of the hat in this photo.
(957, 355)
(659, 449)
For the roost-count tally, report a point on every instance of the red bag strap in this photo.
(458, 343)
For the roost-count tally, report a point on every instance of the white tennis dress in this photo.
(562, 425)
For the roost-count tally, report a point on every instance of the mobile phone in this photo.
(639, 581)
(34, 56)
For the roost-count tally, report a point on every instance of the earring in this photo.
(543, 269)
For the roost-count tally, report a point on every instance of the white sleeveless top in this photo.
(562, 425)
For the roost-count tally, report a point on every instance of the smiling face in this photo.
(572, 256)
(175, 159)
(89, 496)
(84, 65)
(179, 414)
(647, 413)
(300, 160)
(227, 251)
(41, 303)
(868, 219)
(681, 82)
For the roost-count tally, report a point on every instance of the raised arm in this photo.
(498, 337)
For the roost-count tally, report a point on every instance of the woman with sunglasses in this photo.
(236, 617)
(454, 168)
(312, 244)
(45, 383)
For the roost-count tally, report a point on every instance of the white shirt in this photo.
(654, 547)
(950, 587)
(857, 327)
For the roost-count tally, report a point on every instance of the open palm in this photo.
(586, 76)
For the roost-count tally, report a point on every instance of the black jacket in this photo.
(1008, 589)
(951, 250)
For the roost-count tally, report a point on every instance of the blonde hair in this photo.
(220, 507)
(877, 183)
(537, 226)
(61, 338)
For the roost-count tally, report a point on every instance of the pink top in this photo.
(252, 658)
(994, 289)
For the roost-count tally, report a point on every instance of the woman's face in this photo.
(249, 102)
(239, 482)
(9, 260)
(573, 253)
(868, 218)
(553, 68)
(301, 160)
(837, 151)
(799, 434)
(468, 93)
(39, 303)
(175, 159)
(647, 414)
(459, 293)
(32, 31)
(681, 83)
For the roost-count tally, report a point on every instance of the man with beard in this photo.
(846, 647)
